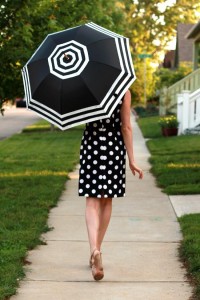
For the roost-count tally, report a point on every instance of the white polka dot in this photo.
(85, 142)
(81, 156)
(88, 166)
(116, 167)
(95, 124)
(94, 171)
(110, 143)
(102, 167)
(80, 190)
(107, 121)
(93, 191)
(111, 152)
(84, 151)
(110, 191)
(100, 177)
(104, 176)
(120, 191)
(117, 157)
(123, 185)
(95, 162)
(86, 195)
(103, 157)
(95, 152)
(115, 177)
(100, 186)
(88, 176)
(89, 147)
(81, 146)
(109, 172)
(87, 186)
(110, 162)
(86, 132)
(95, 142)
(89, 157)
(118, 133)
(115, 186)
(116, 148)
(117, 120)
(103, 147)
(94, 133)
(109, 181)
(105, 186)
(105, 196)
(94, 181)
(81, 180)
(123, 175)
(82, 171)
(115, 196)
(110, 133)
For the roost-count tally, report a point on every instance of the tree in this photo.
(151, 25)
(25, 23)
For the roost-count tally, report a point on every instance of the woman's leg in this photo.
(104, 218)
(92, 221)
(98, 213)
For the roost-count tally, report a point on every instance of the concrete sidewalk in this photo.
(140, 252)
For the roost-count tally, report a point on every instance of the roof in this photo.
(193, 31)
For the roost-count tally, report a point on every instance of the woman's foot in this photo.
(96, 265)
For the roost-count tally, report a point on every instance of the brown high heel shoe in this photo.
(96, 265)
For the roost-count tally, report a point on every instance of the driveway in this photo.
(15, 119)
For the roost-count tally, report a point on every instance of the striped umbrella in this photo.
(78, 75)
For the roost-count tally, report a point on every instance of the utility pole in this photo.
(144, 56)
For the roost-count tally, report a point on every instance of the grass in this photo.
(190, 249)
(150, 127)
(34, 169)
(176, 166)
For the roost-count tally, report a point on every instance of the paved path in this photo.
(14, 120)
(140, 252)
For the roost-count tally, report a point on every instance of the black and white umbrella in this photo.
(78, 75)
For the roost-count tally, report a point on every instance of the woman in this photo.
(102, 173)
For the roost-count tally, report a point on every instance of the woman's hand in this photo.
(135, 169)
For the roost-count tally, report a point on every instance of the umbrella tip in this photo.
(65, 54)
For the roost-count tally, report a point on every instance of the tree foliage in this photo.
(148, 24)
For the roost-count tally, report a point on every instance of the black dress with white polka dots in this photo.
(103, 158)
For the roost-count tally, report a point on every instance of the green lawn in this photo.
(176, 166)
(34, 168)
(150, 127)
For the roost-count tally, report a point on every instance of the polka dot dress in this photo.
(102, 158)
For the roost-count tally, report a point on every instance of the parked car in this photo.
(20, 102)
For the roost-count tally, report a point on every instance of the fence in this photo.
(168, 97)
(188, 110)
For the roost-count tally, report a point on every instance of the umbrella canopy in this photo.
(78, 75)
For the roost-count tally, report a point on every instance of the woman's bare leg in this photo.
(98, 213)
(92, 221)
(104, 218)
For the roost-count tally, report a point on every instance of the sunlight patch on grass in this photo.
(183, 166)
(34, 173)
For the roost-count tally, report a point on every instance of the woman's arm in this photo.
(127, 133)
